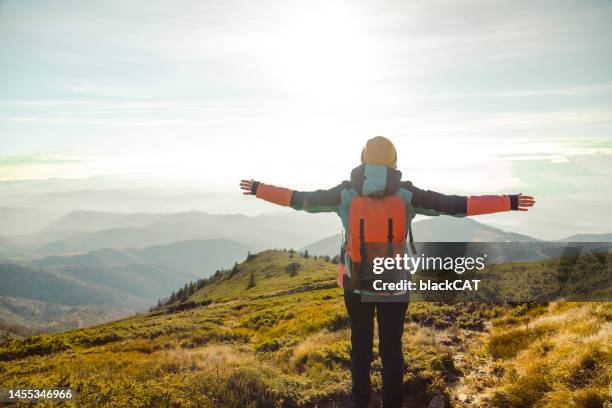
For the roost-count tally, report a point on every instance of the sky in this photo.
(478, 96)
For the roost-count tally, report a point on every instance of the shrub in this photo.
(269, 345)
(265, 319)
(216, 336)
(337, 321)
(251, 388)
(292, 268)
(251, 283)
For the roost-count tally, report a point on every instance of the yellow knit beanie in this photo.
(379, 150)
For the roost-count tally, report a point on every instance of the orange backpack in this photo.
(377, 228)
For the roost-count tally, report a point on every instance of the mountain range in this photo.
(123, 263)
(118, 282)
(435, 229)
(80, 231)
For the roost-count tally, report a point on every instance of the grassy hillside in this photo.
(268, 334)
(267, 273)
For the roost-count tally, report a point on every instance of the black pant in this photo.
(390, 317)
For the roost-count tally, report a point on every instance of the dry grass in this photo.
(561, 358)
(291, 349)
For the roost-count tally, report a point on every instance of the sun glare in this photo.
(324, 49)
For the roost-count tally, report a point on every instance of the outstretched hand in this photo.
(247, 186)
(525, 202)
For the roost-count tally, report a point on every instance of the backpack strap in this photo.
(406, 195)
(411, 239)
(390, 237)
(362, 249)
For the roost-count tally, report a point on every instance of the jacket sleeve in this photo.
(429, 202)
(310, 201)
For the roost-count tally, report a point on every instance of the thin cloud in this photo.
(27, 160)
(136, 105)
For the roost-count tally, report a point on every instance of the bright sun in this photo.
(324, 49)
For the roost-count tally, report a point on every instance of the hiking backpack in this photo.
(378, 227)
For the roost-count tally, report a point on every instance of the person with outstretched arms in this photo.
(376, 205)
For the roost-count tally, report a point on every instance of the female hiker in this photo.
(375, 205)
